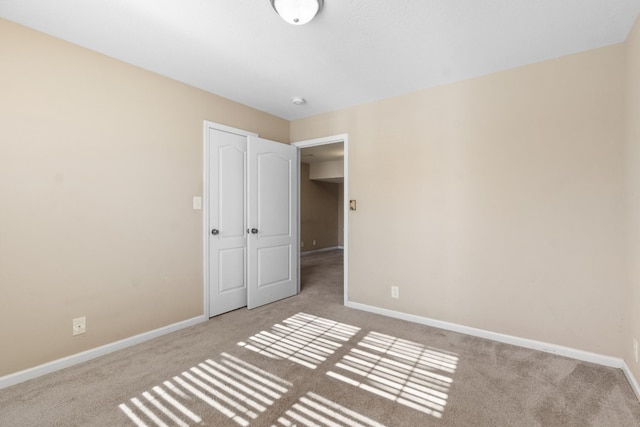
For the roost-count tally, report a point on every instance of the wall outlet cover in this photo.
(395, 292)
(79, 325)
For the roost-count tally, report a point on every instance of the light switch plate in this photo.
(197, 203)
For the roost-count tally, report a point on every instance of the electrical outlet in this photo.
(79, 325)
(313, 243)
(395, 292)
(302, 244)
(635, 349)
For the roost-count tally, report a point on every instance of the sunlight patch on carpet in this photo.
(405, 372)
(315, 410)
(233, 387)
(302, 338)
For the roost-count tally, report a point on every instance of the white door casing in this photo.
(344, 138)
(273, 221)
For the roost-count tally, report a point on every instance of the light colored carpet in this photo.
(308, 361)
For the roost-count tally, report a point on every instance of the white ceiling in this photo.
(355, 51)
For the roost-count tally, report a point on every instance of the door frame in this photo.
(205, 201)
(344, 138)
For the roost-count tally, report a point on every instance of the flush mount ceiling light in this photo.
(297, 12)
(296, 100)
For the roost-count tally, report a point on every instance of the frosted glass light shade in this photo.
(297, 12)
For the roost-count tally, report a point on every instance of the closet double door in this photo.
(252, 220)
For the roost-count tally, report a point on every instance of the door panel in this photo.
(231, 187)
(273, 212)
(232, 262)
(227, 215)
(273, 265)
(273, 204)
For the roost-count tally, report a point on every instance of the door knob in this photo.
(254, 231)
(215, 232)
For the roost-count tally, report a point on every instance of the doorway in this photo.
(326, 148)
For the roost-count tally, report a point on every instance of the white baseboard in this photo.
(65, 362)
(631, 378)
(572, 353)
(315, 251)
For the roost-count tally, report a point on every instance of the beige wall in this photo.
(329, 170)
(632, 314)
(99, 161)
(501, 199)
(318, 212)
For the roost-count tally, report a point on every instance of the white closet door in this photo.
(273, 221)
(227, 222)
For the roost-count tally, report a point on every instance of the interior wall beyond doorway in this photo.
(319, 212)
